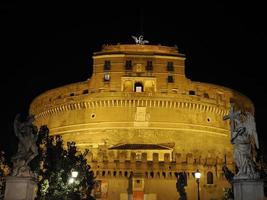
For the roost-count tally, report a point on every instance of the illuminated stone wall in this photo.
(138, 94)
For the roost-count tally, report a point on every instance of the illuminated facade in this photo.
(143, 122)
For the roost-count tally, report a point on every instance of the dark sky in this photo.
(47, 45)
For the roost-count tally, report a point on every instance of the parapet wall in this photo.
(206, 97)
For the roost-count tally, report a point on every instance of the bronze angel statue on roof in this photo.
(140, 40)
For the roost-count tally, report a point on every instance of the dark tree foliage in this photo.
(180, 184)
(4, 171)
(228, 192)
(54, 165)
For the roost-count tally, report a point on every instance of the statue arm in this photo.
(238, 131)
(17, 125)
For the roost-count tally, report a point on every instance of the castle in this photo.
(144, 121)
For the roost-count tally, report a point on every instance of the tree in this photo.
(54, 166)
(4, 171)
(228, 193)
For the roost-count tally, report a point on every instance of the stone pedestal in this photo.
(248, 189)
(20, 188)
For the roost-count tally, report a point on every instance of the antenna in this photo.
(141, 21)
(140, 40)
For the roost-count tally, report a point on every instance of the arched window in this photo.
(138, 87)
(126, 174)
(209, 178)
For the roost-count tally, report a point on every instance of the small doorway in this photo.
(138, 87)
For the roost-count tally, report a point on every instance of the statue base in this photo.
(248, 189)
(20, 188)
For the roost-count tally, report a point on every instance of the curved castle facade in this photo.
(144, 122)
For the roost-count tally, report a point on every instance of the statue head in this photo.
(28, 127)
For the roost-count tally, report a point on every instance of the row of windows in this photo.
(129, 66)
(107, 78)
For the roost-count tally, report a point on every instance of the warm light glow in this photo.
(74, 174)
(138, 89)
(71, 180)
(148, 116)
(197, 174)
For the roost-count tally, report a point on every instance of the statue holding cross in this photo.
(244, 138)
(26, 133)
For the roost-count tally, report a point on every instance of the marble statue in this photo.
(180, 184)
(26, 133)
(244, 138)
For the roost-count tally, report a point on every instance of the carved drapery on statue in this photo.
(26, 133)
(245, 140)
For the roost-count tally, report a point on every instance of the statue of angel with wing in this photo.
(140, 40)
(245, 140)
(26, 133)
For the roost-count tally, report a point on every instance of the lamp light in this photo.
(74, 174)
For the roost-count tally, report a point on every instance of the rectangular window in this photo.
(206, 95)
(170, 67)
(170, 79)
(107, 65)
(106, 77)
(192, 92)
(149, 65)
(85, 92)
(128, 65)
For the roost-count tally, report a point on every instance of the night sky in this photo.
(46, 45)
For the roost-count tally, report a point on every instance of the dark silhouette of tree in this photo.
(54, 166)
(180, 184)
(4, 171)
(228, 192)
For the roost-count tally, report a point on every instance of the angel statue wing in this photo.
(251, 127)
(135, 39)
(145, 41)
(140, 40)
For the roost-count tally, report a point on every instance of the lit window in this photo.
(170, 79)
(138, 87)
(149, 66)
(170, 67)
(107, 65)
(106, 77)
(138, 156)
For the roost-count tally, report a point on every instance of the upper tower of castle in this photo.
(137, 68)
(140, 71)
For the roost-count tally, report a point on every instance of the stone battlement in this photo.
(132, 48)
(157, 170)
